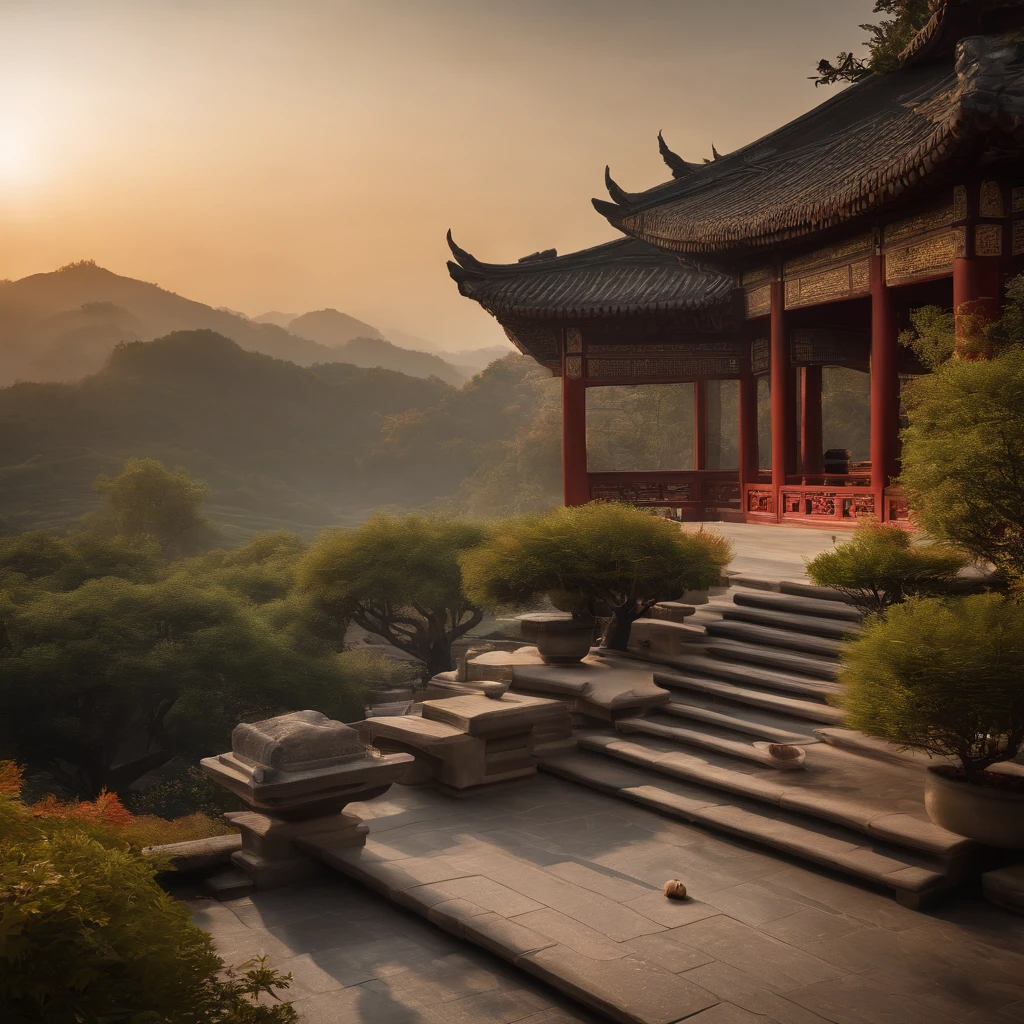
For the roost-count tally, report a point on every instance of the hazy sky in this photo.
(296, 154)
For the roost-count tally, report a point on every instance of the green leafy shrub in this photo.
(943, 676)
(881, 566)
(601, 555)
(963, 456)
(87, 935)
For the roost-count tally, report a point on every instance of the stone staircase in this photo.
(749, 684)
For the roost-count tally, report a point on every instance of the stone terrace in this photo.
(565, 884)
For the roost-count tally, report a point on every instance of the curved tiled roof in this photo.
(854, 154)
(624, 277)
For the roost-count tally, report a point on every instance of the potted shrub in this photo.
(881, 566)
(603, 558)
(947, 677)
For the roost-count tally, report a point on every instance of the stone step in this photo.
(745, 721)
(830, 629)
(751, 675)
(795, 588)
(702, 739)
(796, 605)
(810, 710)
(769, 636)
(871, 746)
(859, 813)
(795, 662)
(673, 611)
(230, 884)
(909, 876)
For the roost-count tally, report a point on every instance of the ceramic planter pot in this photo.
(560, 639)
(985, 814)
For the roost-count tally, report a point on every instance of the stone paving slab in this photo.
(572, 878)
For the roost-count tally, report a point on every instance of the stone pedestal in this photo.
(296, 772)
(469, 743)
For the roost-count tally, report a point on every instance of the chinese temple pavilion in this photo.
(804, 250)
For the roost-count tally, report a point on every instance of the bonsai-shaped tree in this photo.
(943, 676)
(881, 566)
(594, 557)
(399, 578)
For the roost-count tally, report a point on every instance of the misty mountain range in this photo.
(63, 325)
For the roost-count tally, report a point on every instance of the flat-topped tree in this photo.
(398, 577)
(592, 556)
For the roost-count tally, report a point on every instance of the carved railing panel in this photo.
(719, 489)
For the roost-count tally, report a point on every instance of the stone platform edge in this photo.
(630, 990)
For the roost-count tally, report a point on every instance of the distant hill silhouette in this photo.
(280, 444)
(276, 318)
(331, 328)
(62, 325)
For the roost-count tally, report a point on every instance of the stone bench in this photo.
(602, 686)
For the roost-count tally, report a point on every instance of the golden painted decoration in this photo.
(929, 256)
(573, 339)
(990, 203)
(960, 202)
(1017, 200)
(920, 224)
(988, 240)
(574, 367)
(855, 246)
(758, 301)
(1018, 237)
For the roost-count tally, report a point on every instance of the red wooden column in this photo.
(700, 424)
(810, 421)
(748, 453)
(575, 484)
(885, 384)
(783, 407)
(976, 286)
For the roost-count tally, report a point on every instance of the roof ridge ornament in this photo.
(679, 167)
(619, 195)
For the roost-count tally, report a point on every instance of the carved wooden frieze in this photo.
(990, 200)
(689, 348)
(988, 240)
(1018, 237)
(960, 203)
(829, 286)
(761, 356)
(841, 252)
(1017, 200)
(662, 368)
(757, 301)
(760, 275)
(830, 346)
(573, 340)
(574, 367)
(925, 258)
(922, 223)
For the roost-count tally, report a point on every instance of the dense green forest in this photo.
(279, 445)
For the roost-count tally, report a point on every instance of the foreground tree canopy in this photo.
(595, 557)
(86, 934)
(398, 577)
(942, 676)
(963, 456)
